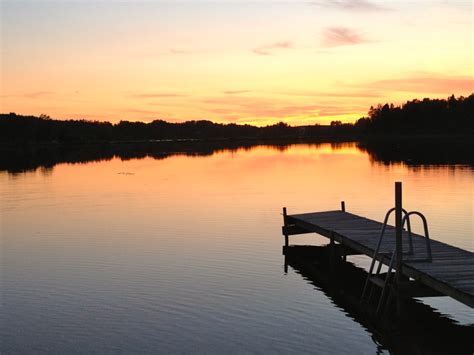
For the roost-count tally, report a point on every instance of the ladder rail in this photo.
(388, 277)
(406, 218)
(385, 284)
(379, 243)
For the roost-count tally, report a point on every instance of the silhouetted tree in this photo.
(450, 116)
(428, 116)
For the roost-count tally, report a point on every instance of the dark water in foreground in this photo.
(183, 254)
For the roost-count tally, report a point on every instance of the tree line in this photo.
(18, 129)
(428, 116)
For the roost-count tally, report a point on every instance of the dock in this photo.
(417, 265)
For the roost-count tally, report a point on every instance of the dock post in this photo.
(398, 236)
(285, 224)
(343, 209)
(332, 253)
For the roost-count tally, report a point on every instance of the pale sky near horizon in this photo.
(258, 62)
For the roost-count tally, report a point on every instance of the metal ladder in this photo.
(377, 278)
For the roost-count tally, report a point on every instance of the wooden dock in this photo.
(450, 272)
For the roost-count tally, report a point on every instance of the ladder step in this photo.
(379, 280)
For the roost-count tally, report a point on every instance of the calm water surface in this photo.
(184, 254)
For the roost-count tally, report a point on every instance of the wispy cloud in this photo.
(152, 53)
(38, 94)
(236, 92)
(427, 84)
(354, 94)
(142, 114)
(341, 36)
(156, 95)
(269, 48)
(178, 51)
(133, 110)
(32, 95)
(232, 106)
(350, 5)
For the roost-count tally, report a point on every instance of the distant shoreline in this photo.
(252, 140)
(416, 119)
(422, 150)
(389, 138)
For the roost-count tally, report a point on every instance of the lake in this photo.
(183, 252)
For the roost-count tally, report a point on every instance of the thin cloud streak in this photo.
(166, 52)
(267, 108)
(143, 115)
(440, 84)
(32, 95)
(236, 92)
(156, 95)
(269, 48)
(357, 94)
(341, 36)
(350, 5)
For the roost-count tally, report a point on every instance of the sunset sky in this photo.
(258, 62)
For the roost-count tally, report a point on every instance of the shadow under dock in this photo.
(419, 329)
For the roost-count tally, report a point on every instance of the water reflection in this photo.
(425, 151)
(182, 254)
(419, 330)
(16, 159)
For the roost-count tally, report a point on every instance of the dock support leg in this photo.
(285, 224)
(399, 246)
(343, 209)
(332, 253)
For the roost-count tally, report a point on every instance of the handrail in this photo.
(406, 218)
(379, 243)
(387, 216)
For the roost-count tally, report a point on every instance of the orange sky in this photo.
(240, 61)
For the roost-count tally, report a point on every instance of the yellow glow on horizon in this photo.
(227, 63)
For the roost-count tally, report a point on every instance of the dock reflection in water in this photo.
(419, 330)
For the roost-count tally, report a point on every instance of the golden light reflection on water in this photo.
(235, 185)
(192, 245)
